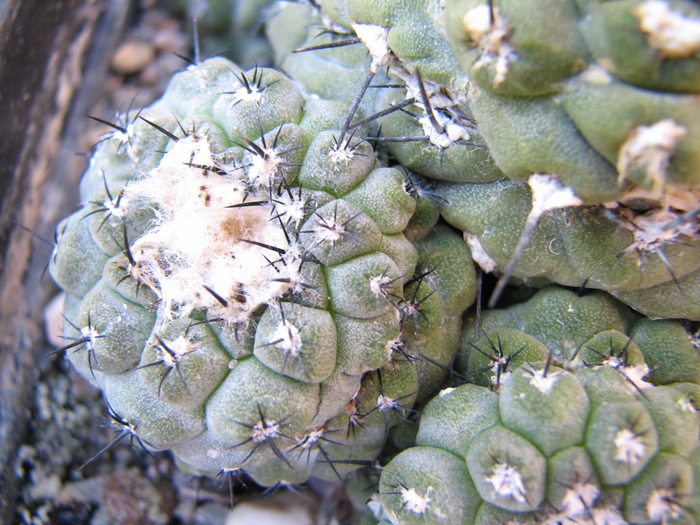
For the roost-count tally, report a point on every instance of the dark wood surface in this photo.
(53, 59)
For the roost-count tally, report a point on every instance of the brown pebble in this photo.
(129, 498)
(132, 57)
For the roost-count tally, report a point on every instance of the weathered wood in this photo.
(53, 58)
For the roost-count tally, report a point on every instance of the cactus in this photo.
(239, 287)
(259, 280)
(565, 422)
(590, 108)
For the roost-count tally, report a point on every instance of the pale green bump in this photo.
(298, 342)
(548, 406)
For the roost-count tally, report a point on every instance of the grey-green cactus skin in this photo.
(566, 421)
(603, 248)
(239, 286)
(574, 331)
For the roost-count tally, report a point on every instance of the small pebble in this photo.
(263, 514)
(132, 57)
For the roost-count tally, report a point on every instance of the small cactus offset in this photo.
(565, 422)
(239, 286)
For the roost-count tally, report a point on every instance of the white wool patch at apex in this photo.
(508, 482)
(413, 501)
(630, 447)
(672, 33)
(202, 251)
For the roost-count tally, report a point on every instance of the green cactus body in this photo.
(235, 295)
(593, 103)
(588, 440)
(609, 249)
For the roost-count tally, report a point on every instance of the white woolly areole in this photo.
(651, 231)
(179, 348)
(385, 403)
(650, 148)
(290, 208)
(479, 255)
(450, 133)
(485, 26)
(411, 500)
(634, 374)
(263, 431)
(124, 136)
(379, 285)
(376, 38)
(341, 155)
(497, 380)
(579, 499)
(507, 482)
(597, 76)
(264, 168)
(672, 33)
(446, 125)
(287, 337)
(548, 193)
(394, 345)
(199, 242)
(89, 334)
(117, 206)
(250, 93)
(630, 447)
(662, 505)
(543, 380)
